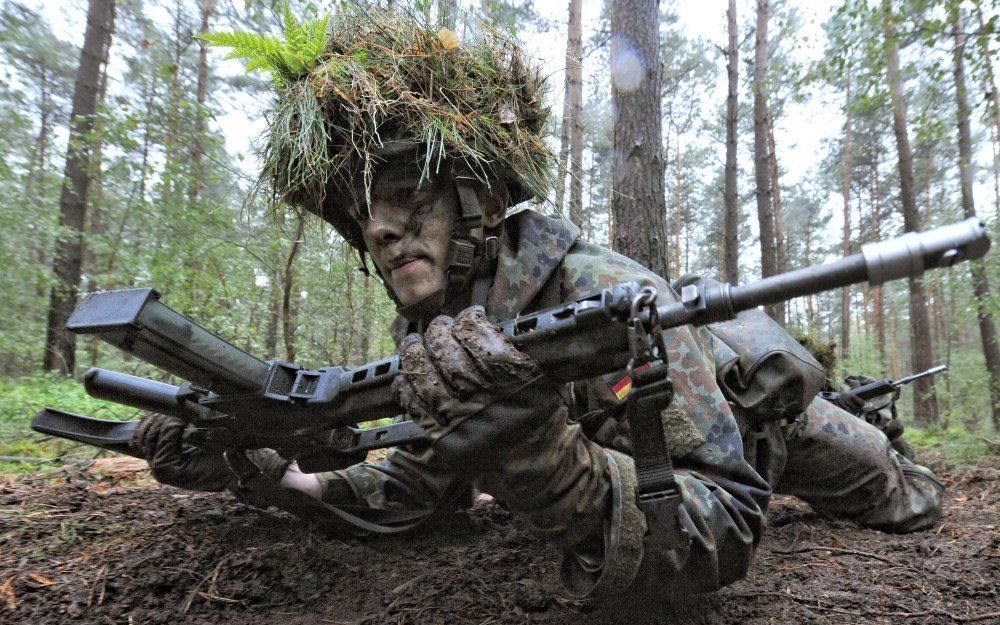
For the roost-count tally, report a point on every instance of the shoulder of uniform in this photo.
(588, 267)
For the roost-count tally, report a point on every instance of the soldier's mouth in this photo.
(405, 263)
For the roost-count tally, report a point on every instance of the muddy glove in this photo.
(160, 439)
(472, 391)
(492, 415)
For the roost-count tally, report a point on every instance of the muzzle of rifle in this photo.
(905, 256)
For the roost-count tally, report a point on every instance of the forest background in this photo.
(171, 157)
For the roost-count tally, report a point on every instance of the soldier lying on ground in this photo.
(415, 198)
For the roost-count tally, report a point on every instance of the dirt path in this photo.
(110, 548)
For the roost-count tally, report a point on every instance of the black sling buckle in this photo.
(656, 490)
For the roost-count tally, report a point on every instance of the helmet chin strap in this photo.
(472, 254)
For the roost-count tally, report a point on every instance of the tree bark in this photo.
(780, 254)
(38, 163)
(676, 218)
(993, 103)
(991, 88)
(878, 304)
(762, 169)
(574, 69)
(731, 220)
(845, 189)
(980, 282)
(274, 315)
(207, 7)
(638, 205)
(925, 407)
(95, 201)
(288, 280)
(60, 345)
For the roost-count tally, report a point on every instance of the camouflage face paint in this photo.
(408, 232)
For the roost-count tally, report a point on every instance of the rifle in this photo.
(236, 401)
(880, 387)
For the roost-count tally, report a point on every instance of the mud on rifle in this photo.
(235, 401)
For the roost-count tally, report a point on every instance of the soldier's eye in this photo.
(410, 196)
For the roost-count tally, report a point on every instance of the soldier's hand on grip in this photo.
(472, 391)
(160, 439)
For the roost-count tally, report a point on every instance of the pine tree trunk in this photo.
(980, 282)
(732, 217)
(274, 300)
(574, 68)
(207, 7)
(287, 283)
(676, 218)
(993, 104)
(562, 167)
(368, 334)
(845, 189)
(991, 89)
(353, 316)
(762, 166)
(925, 408)
(60, 345)
(638, 205)
(875, 234)
(95, 201)
(37, 165)
(780, 255)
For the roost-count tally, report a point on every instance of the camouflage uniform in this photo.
(839, 464)
(843, 466)
(542, 264)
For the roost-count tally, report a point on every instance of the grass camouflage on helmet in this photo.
(383, 80)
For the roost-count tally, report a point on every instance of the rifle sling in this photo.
(656, 491)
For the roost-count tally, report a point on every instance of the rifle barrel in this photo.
(908, 255)
(141, 393)
(917, 376)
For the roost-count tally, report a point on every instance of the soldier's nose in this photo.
(385, 225)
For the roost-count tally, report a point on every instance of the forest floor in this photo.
(104, 544)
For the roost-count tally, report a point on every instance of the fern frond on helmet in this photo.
(387, 82)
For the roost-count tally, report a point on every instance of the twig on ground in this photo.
(838, 550)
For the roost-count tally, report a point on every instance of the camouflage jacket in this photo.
(541, 264)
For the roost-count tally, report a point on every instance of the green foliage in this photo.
(21, 398)
(286, 61)
(386, 77)
(825, 352)
(955, 443)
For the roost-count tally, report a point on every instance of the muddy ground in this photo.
(109, 546)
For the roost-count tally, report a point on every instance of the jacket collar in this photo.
(534, 246)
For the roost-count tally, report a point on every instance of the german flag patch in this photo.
(622, 388)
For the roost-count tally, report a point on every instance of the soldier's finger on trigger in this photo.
(457, 368)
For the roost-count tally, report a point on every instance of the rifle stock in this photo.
(311, 415)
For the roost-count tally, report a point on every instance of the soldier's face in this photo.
(407, 231)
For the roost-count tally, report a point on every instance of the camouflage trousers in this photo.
(845, 468)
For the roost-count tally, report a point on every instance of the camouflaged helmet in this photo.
(385, 84)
